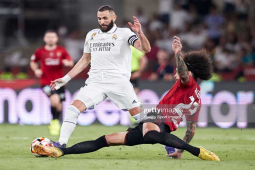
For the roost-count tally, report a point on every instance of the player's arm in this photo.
(67, 60)
(181, 66)
(79, 67)
(67, 63)
(35, 66)
(190, 132)
(142, 44)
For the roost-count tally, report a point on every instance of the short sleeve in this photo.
(66, 55)
(86, 44)
(36, 56)
(131, 37)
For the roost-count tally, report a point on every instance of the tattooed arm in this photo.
(191, 129)
(182, 69)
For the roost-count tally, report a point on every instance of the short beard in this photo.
(108, 28)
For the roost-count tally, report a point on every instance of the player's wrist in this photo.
(140, 33)
(66, 78)
(180, 151)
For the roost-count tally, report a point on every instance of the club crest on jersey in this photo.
(58, 54)
(114, 37)
(93, 35)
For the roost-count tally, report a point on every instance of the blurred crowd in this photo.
(227, 33)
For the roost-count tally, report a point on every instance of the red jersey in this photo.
(182, 101)
(51, 63)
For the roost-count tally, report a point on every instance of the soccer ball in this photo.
(40, 141)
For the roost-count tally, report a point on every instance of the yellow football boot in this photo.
(207, 155)
(54, 127)
(48, 151)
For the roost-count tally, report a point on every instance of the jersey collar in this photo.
(114, 28)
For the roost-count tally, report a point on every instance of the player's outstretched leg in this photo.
(153, 136)
(83, 147)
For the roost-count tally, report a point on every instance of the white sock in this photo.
(69, 124)
(139, 117)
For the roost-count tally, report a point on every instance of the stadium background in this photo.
(224, 28)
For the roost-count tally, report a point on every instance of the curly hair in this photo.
(199, 63)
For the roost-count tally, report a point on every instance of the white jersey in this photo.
(110, 51)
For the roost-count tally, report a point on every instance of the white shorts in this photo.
(102, 85)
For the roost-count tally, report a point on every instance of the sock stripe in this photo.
(70, 122)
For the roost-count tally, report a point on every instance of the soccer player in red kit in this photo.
(182, 100)
(52, 59)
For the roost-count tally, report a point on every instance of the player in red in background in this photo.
(183, 99)
(52, 59)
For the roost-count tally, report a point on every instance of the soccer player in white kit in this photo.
(108, 51)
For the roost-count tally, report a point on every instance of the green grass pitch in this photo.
(235, 147)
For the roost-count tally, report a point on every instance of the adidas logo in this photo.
(134, 102)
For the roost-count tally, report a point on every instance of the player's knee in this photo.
(55, 100)
(79, 105)
(110, 139)
(151, 137)
(72, 114)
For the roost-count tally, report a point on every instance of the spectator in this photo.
(155, 23)
(214, 22)
(163, 70)
(247, 58)
(141, 17)
(178, 17)
(224, 58)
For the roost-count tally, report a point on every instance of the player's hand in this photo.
(54, 85)
(136, 27)
(175, 155)
(135, 75)
(38, 73)
(177, 45)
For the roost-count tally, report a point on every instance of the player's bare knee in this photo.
(115, 138)
(55, 100)
(79, 105)
(134, 111)
(110, 139)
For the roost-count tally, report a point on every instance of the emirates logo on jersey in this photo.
(51, 62)
(114, 37)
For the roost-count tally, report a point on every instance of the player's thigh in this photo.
(123, 95)
(88, 96)
(116, 138)
(149, 126)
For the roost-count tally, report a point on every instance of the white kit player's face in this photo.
(105, 20)
(50, 38)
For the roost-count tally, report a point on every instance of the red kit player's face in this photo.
(50, 38)
(177, 77)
